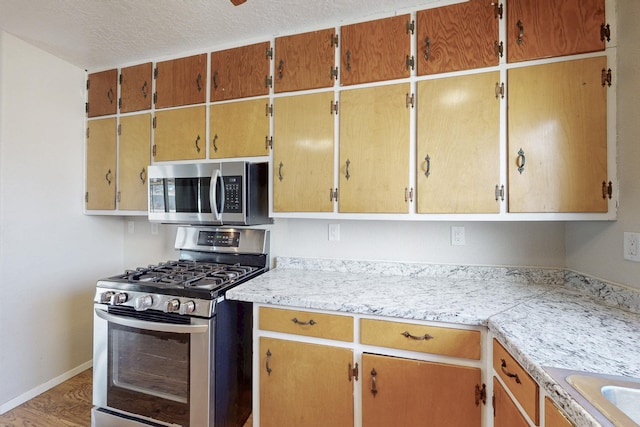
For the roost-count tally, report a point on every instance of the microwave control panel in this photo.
(233, 194)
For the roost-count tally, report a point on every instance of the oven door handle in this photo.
(152, 326)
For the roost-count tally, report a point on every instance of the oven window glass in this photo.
(149, 373)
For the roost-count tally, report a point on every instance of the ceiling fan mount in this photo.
(237, 2)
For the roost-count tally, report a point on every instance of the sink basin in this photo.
(617, 398)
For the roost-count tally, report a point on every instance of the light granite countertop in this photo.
(544, 317)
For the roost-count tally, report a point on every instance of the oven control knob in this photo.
(188, 307)
(118, 298)
(144, 302)
(171, 306)
(105, 297)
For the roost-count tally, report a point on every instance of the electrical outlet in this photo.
(334, 231)
(457, 236)
(131, 227)
(632, 246)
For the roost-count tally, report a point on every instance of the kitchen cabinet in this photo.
(505, 412)
(102, 93)
(240, 72)
(547, 28)
(458, 144)
(374, 149)
(135, 88)
(376, 50)
(134, 157)
(457, 37)
(405, 392)
(557, 137)
(305, 61)
(180, 134)
(181, 81)
(101, 164)
(553, 417)
(239, 129)
(303, 153)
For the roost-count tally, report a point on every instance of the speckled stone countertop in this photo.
(544, 317)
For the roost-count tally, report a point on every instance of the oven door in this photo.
(152, 367)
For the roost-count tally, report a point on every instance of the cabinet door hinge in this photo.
(605, 32)
(606, 77)
(154, 150)
(335, 40)
(497, 10)
(353, 372)
(87, 133)
(153, 122)
(269, 53)
(410, 27)
(493, 403)
(333, 195)
(268, 81)
(155, 98)
(118, 197)
(120, 129)
(155, 73)
(408, 195)
(120, 103)
(86, 197)
(334, 107)
(86, 107)
(268, 110)
(334, 73)
(499, 90)
(88, 84)
(481, 394)
(410, 62)
(268, 142)
(411, 100)
(607, 190)
(498, 48)
(500, 193)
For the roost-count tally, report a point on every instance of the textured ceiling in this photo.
(99, 34)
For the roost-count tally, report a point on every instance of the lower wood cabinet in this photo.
(505, 412)
(553, 417)
(406, 392)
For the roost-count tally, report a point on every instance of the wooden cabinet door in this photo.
(553, 417)
(305, 384)
(303, 150)
(239, 129)
(102, 93)
(304, 61)
(180, 134)
(134, 157)
(101, 164)
(375, 50)
(457, 37)
(547, 28)
(505, 412)
(405, 392)
(458, 144)
(374, 149)
(557, 137)
(240, 72)
(181, 81)
(135, 88)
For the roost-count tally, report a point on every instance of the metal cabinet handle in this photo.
(503, 367)
(428, 171)
(298, 322)
(348, 60)
(143, 175)
(215, 146)
(198, 82)
(215, 80)
(374, 389)
(280, 69)
(520, 31)
(267, 362)
(427, 48)
(110, 95)
(425, 337)
(107, 176)
(347, 175)
(280, 171)
(144, 89)
(196, 142)
(521, 160)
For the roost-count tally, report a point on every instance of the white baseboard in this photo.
(6, 407)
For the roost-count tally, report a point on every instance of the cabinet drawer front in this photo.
(425, 339)
(329, 326)
(519, 382)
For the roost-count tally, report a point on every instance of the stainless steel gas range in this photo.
(169, 349)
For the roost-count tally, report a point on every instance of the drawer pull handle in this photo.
(267, 362)
(507, 373)
(374, 389)
(425, 337)
(298, 322)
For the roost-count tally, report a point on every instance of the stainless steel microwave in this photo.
(234, 193)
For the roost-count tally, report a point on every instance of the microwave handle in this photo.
(213, 193)
(151, 326)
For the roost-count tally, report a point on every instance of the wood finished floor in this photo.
(66, 405)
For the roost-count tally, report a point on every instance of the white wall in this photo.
(596, 248)
(50, 254)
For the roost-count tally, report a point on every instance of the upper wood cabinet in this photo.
(181, 81)
(101, 164)
(180, 134)
(102, 95)
(133, 159)
(557, 137)
(547, 28)
(240, 72)
(305, 61)
(458, 144)
(376, 50)
(239, 129)
(135, 88)
(457, 37)
(303, 153)
(374, 149)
